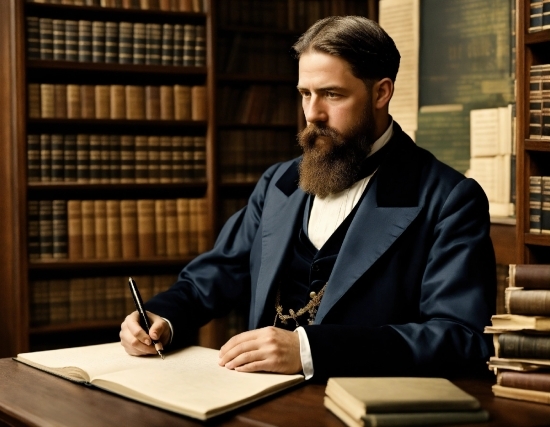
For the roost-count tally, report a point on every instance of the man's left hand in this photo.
(268, 349)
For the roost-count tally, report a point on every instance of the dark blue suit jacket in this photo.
(410, 292)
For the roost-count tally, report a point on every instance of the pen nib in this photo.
(160, 354)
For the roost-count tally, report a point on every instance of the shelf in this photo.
(76, 326)
(66, 264)
(537, 37)
(96, 13)
(274, 126)
(537, 239)
(537, 145)
(108, 126)
(254, 78)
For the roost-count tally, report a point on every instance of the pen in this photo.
(139, 306)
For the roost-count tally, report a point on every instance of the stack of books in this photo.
(522, 336)
(360, 402)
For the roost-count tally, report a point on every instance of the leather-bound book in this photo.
(74, 227)
(114, 229)
(88, 230)
(146, 228)
(129, 226)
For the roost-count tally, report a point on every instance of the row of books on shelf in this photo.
(276, 104)
(521, 337)
(246, 154)
(262, 54)
(539, 101)
(115, 159)
(116, 229)
(285, 14)
(116, 102)
(116, 42)
(539, 18)
(539, 204)
(77, 299)
(492, 156)
(167, 5)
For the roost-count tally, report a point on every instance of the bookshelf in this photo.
(29, 309)
(533, 154)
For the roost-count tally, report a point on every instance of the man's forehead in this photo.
(324, 71)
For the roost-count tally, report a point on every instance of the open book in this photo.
(189, 381)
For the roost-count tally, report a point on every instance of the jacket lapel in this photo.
(282, 211)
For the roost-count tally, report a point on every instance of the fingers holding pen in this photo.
(133, 338)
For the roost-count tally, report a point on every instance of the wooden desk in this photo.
(29, 397)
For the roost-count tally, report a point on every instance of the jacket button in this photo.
(312, 294)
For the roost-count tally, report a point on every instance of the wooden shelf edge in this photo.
(537, 239)
(41, 64)
(74, 326)
(118, 122)
(66, 264)
(37, 186)
(537, 145)
(537, 37)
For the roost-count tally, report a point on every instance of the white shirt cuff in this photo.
(305, 353)
(172, 330)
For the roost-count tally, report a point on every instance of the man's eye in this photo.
(331, 95)
(305, 94)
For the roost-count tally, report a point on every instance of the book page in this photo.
(191, 382)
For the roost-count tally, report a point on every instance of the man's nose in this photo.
(314, 111)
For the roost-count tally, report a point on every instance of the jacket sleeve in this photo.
(211, 284)
(457, 294)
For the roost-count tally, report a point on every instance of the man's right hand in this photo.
(135, 340)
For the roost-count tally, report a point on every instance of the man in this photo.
(366, 256)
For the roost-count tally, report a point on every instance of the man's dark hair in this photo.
(369, 50)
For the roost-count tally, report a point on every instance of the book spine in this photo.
(199, 158)
(127, 159)
(188, 59)
(545, 205)
(57, 158)
(183, 226)
(84, 41)
(167, 50)
(102, 102)
(177, 54)
(177, 158)
(517, 345)
(535, 204)
(33, 229)
(167, 103)
(129, 227)
(69, 158)
(98, 41)
(87, 99)
(83, 158)
(153, 159)
(100, 228)
(33, 37)
(46, 38)
(535, 102)
(188, 158)
(105, 159)
(47, 101)
(45, 223)
(152, 102)
(59, 301)
(545, 95)
(139, 43)
(95, 159)
(58, 27)
(114, 158)
(33, 158)
(203, 243)
(172, 232)
(535, 17)
(114, 229)
(528, 302)
(74, 227)
(135, 102)
(198, 103)
(60, 101)
(182, 102)
(39, 303)
(153, 44)
(33, 101)
(118, 102)
(146, 228)
(45, 157)
(77, 299)
(160, 227)
(200, 46)
(59, 229)
(111, 42)
(88, 230)
(165, 159)
(141, 159)
(125, 43)
(524, 380)
(546, 14)
(71, 40)
(74, 102)
(193, 226)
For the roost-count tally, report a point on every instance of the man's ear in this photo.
(382, 92)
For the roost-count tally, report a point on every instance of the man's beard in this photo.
(332, 169)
